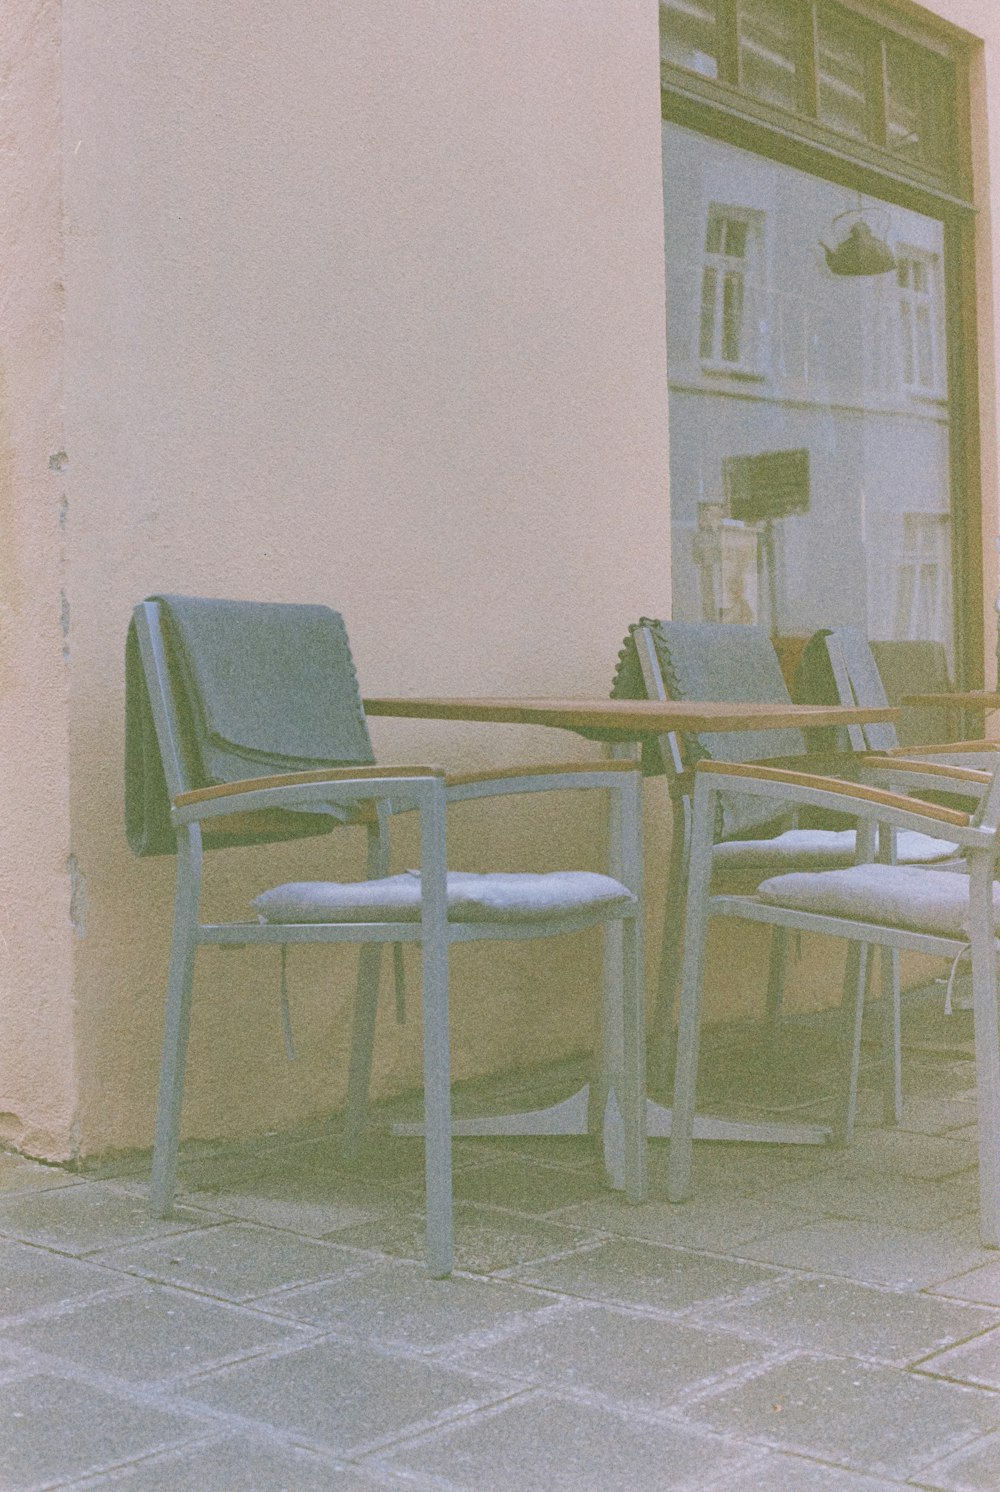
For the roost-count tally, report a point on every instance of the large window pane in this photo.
(770, 46)
(689, 35)
(808, 410)
(845, 75)
(919, 104)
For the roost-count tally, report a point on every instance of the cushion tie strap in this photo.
(963, 952)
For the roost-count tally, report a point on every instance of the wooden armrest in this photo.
(836, 786)
(332, 775)
(547, 769)
(899, 765)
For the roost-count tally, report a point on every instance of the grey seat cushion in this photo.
(888, 895)
(471, 898)
(810, 849)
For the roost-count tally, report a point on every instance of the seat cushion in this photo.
(824, 849)
(889, 895)
(471, 898)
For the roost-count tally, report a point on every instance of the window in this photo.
(726, 335)
(822, 61)
(917, 280)
(921, 598)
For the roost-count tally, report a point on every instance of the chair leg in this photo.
(776, 985)
(633, 1062)
(362, 1050)
(365, 1007)
(984, 1004)
(176, 1025)
(437, 1041)
(852, 1013)
(689, 1022)
(892, 1040)
(668, 978)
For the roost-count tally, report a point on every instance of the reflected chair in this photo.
(873, 902)
(245, 725)
(726, 661)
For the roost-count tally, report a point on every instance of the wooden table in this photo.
(624, 722)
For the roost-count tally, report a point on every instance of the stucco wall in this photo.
(37, 1075)
(365, 307)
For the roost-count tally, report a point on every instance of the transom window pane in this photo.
(689, 35)
(844, 76)
(918, 104)
(769, 49)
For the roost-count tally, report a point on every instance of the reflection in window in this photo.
(769, 47)
(922, 577)
(916, 275)
(725, 330)
(919, 104)
(688, 35)
(844, 69)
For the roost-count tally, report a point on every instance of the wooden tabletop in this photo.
(632, 717)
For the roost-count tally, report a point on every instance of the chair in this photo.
(715, 660)
(245, 725)
(873, 902)
(840, 666)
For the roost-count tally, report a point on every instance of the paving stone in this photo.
(977, 1361)
(529, 1187)
(973, 1469)
(81, 1219)
(283, 1201)
(545, 1444)
(869, 1252)
(700, 1222)
(900, 1201)
(20, 1174)
(54, 1429)
(339, 1396)
(871, 1419)
(838, 1316)
(645, 1274)
(485, 1240)
(937, 1116)
(396, 1303)
(243, 1463)
(635, 1361)
(149, 1334)
(235, 1261)
(752, 1170)
(32, 1277)
(981, 1284)
(892, 1152)
(776, 1472)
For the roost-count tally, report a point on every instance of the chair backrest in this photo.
(838, 668)
(916, 667)
(709, 661)
(219, 691)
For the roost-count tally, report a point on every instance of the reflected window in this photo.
(917, 279)
(770, 35)
(844, 82)
(726, 336)
(689, 35)
(922, 584)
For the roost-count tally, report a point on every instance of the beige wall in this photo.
(37, 1068)
(363, 305)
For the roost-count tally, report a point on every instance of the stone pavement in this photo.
(812, 1320)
